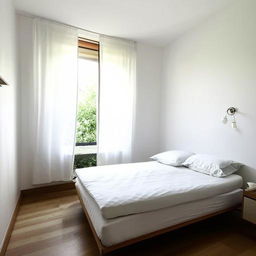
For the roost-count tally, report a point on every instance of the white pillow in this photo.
(173, 157)
(211, 165)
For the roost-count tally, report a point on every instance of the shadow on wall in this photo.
(248, 173)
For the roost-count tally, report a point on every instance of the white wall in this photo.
(9, 185)
(149, 74)
(206, 71)
(25, 49)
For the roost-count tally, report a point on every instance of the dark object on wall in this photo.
(2, 82)
(231, 111)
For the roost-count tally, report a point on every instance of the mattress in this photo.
(117, 230)
(124, 189)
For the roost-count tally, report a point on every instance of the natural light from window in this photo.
(86, 132)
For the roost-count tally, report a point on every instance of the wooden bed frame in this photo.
(106, 249)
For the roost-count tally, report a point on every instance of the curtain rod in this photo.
(29, 15)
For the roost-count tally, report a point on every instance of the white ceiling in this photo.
(153, 21)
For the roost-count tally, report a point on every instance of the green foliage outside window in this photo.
(86, 119)
(86, 129)
(82, 161)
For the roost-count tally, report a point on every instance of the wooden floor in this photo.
(54, 224)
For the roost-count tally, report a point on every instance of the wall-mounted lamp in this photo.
(2, 82)
(230, 112)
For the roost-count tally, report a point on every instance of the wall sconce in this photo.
(2, 82)
(230, 112)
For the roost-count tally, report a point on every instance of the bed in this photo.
(128, 203)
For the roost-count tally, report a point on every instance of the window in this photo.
(88, 82)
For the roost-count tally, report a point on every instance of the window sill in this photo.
(86, 150)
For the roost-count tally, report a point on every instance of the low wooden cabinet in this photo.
(249, 206)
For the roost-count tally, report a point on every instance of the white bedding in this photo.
(120, 229)
(125, 189)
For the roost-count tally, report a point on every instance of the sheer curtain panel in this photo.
(117, 100)
(54, 96)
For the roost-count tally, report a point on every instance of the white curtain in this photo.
(54, 99)
(116, 100)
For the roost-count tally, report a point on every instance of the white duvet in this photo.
(126, 189)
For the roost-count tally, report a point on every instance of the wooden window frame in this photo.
(88, 45)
